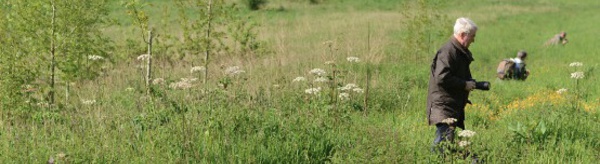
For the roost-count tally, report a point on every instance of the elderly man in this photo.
(450, 83)
(560, 38)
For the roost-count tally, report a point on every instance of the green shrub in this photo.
(255, 4)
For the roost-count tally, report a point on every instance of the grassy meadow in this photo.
(361, 98)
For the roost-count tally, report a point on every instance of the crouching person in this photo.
(513, 68)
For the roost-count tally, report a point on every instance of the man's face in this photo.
(468, 38)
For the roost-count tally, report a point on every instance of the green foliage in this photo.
(255, 4)
(76, 36)
(315, 1)
(266, 117)
(424, 25)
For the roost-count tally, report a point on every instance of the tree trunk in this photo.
(207, 52)
(149, 64)
(52, 56)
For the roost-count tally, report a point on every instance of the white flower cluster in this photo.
(189, 80)
(577, 75)
(466, 133)
(321, 80)
(464, 143)
(318, 72)
(43, 104)
(180, 85)
(143, 57)
(353, 59)
(348, 87)
(299, 79)
(576, 64)
(313, 91)
(184, 83)
(449, 121)
(561, 91)
(88, 102)
(358, 90)
(234, 70)
(352, 87)
(95, 57)
(330, 63)
(158, 81)
(129, 89)
(344, 96)
(197, 69)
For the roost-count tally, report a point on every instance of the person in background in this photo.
(520, 72)
(560, 38)
(513, 68)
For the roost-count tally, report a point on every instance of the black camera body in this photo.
(482, 85)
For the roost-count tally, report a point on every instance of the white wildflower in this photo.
(313, 91)
(180, 85)
(464, 143)
(577, 75)
(234, 70)
(189, 80)
(353, 59)
(61, 155)
(318, 72)
(321, 80)
(88, 102)
(358, 90)
(43, 104)
(576, 64)
(348, 87)
(299, 79)
(449, 121)
(466, 133)
(95, 57)
(129, 89)
(143, 57)
(344, 96)
(197, 69)
(28, 88)
(330, 62)
(158, 81)
(561, 91)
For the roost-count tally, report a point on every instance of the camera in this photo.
(482, 85)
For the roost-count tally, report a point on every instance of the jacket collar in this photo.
(460, 47)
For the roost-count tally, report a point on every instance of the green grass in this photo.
(264, 117)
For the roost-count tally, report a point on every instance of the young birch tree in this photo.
(52, 42)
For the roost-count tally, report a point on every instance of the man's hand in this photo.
(470, 86)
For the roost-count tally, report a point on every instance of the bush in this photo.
(255, 4)
(315, 1)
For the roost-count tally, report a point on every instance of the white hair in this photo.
(464, 25)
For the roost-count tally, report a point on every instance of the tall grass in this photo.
(262, 116)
